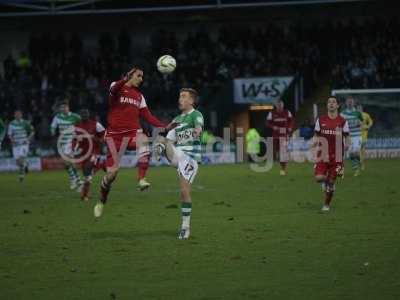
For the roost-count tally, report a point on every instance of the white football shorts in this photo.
(20, 151)
(187, 167)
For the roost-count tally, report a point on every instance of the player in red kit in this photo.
(281, 122)
(127, 106)
(331, 140)
(87, 145)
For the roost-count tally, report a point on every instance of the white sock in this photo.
(185, 221)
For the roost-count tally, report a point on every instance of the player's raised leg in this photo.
(116, 147)
(105, 187)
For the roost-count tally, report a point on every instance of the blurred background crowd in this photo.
(348, 53)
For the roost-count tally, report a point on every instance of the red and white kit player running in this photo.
(281, 122)
(332, 140)
(127, 106)
(88, 141)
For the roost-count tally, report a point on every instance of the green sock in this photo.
(21, 170)
(72, 173)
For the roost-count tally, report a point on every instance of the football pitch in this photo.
(254, 236)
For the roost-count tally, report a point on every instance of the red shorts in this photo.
(329, 169)
(84, 157)
(115, 141)
(92, 159)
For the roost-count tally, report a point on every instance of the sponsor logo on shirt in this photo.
(336, 131)
(130, 101)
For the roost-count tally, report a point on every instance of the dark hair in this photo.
(193, 93)
(84, 110)
(134, 69)
(63, 102)
(334, 97)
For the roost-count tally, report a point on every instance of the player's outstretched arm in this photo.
(31, 131)
(291, 123)
(10, 134)
(150, 118)
(347, 142)
(53, 126)
(370, 122)
(268, 121)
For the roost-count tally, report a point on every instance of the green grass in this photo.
(254, 236)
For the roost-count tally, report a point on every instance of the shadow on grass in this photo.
(130, 235)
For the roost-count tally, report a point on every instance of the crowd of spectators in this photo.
(367, 55)
(57, 67)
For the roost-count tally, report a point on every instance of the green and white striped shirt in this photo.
(184, 135)
(354, 119)
(65, 125)
(19, 131)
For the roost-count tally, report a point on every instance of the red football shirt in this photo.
(93, 128)
(332, 132)
(281, 123)
(126, 106)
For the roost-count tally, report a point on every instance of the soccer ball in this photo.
(166, 64)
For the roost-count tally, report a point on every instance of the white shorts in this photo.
(187, 167)
(65, 149)
(20, 151)
(356, 142)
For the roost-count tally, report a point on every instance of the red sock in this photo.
(104, 189)
(143, 165)
(328, 198)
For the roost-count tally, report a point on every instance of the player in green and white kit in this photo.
(2, 131)
(182, 148)
(64, 122)
(355, 119)
(20, 132)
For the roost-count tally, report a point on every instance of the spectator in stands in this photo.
(23, 61)
(306, 130)
(91, 82)
(10, 67)
(57, 63)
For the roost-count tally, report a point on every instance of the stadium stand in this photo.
(58, 66)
